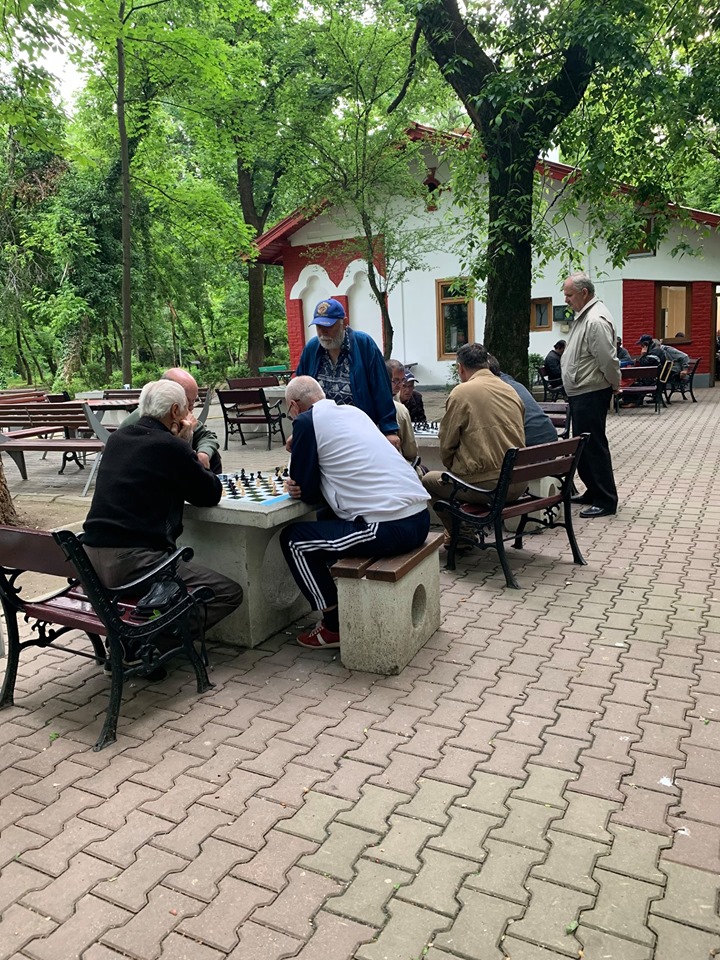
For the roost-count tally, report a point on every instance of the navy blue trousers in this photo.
(588, 413)
(312, 548)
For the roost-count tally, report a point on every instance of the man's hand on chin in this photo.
(204, 460)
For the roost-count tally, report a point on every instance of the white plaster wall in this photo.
(412, 302)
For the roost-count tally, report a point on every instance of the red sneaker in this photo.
(319, 637)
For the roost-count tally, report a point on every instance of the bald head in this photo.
(187, 382)
(304, 391)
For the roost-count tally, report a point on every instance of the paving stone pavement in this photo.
(541, 782)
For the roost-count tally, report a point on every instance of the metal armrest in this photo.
(168, 564)
(459, 485)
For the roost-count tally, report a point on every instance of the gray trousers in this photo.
(441, 491)
(117, 565)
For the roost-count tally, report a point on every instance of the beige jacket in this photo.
(408, 442)
(484, 418)
(589, 361)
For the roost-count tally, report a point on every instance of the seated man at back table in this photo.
(146, 474)
(376, 506)
(408, 443)
(538, 426)
(412, 399)
(553, 364)
(204, 442)
(484, 418)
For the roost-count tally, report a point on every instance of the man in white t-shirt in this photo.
(376, 506)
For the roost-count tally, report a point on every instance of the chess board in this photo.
(426, 429)
(250, 489)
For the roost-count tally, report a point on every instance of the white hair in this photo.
(581, 281)
(305, 390)
(158, 396)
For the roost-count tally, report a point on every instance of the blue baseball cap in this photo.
(328, 312)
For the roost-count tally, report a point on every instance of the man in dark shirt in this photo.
(552, 364)
(146, 474)
(412, 399)
(538, 426)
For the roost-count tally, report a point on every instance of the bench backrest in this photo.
(23, 398)
(653, 374)
(232, 403)
(243, 383)
(46, 414)
(33, 550)
(121, 394)
(545, 460)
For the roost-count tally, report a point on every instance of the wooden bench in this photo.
(250, 408)
(45, 428)
(645, 382)
(388, 607)
(559, 415)
(471, 522)
(553, 390)
(84, 604)
(245, 383)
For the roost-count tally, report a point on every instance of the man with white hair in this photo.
(204, 441)
(376, 506)
(147, 472)
(591, 373)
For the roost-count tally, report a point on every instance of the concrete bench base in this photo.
(384, 623)
(544, 487)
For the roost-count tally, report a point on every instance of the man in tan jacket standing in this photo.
(591, 373)
(484, 418)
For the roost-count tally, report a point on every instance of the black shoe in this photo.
(590, 512)
(581, 498)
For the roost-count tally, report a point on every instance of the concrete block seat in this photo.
(388, 607)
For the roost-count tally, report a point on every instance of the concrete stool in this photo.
(544, 487)
(388, 608)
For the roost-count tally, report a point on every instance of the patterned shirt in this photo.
(334, 378)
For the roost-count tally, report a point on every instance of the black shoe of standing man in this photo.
(590, 512)
(581, 498)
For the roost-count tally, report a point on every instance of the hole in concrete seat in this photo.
(419, 606)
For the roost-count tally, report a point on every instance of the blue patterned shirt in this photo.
(334, 378)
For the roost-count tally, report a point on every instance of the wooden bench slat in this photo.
(351, 568)
(392, 569)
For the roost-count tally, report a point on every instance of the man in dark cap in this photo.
(349, 367)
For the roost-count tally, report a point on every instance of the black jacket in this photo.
(145, 476)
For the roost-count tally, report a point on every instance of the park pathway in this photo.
(542, 782)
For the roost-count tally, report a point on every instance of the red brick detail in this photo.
(296, 329)
(638, 316)
(702, 326)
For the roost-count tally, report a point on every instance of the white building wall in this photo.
(412, 302)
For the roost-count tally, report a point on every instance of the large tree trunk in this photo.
(509, 283)
(256, 316)
(126, 223)
(8, 516)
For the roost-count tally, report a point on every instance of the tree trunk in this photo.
(106, 350)
(8, 516)
(256, 316)
(23, 365)
(126, 224)
(509, 283)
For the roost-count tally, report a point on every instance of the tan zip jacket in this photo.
(484, 418)
(589, 361)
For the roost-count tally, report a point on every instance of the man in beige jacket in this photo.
(484, 418)
(591, 372)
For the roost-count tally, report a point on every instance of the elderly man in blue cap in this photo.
(349, 367)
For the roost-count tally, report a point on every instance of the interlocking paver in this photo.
(93, 918)
(250, 828)
(18, 926)
(293, 909)
(635, 853)
(367, 895)
(571, 861)
(504, 871)
(130, 887)
(373, 809)
(476, 931)
(407, 933)
(431, 802)
(551, 910)
(691, 897)
(17, 882)
(186, 837)
(336, 856)
(621, 906)
(597, 943)
(465, 834)
(163, 912)
(217, 924)
(527, 824)
(57, 900)
(54, 855)
(437, 884)
(678, 940)
(587, 816)
(314, 817)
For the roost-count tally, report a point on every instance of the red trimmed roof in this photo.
(271, 244)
